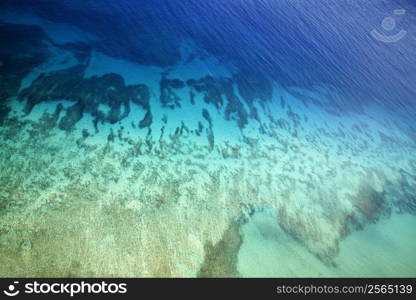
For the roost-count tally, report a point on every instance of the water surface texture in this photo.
(221, 138)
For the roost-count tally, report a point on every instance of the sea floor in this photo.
(384, 249)
(111, 168)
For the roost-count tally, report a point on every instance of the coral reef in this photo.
(370, 203)
(168, 97)
(221, 259)
(147, 120)
(72, 116)
(89, 93)
(219, 91)
(156, 192)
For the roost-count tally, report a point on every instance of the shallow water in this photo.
(384, 249)
(150, 139)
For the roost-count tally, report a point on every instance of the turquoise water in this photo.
(151, 140)
(384, 249)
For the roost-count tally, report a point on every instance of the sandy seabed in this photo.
(201, 188)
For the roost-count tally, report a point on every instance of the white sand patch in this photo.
(385, 249)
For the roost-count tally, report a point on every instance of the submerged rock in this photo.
(207, 116)
(221, 259)
(220, 92)
(89, 93)
(147, 120)
(72, 116)
(168, 97)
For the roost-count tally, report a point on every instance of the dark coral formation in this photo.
(88, 93)
(209, 131)
(221, 259)
(49, 121)
(72, 116)
(168, 96)
(207, 116)
(220, 92)
(212, 88)
(210, 136)
(235, 110)
(31, 47)
(253, 87)
(28, 47)
(147, 120)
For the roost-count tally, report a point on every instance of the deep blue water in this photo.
(300, 43)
